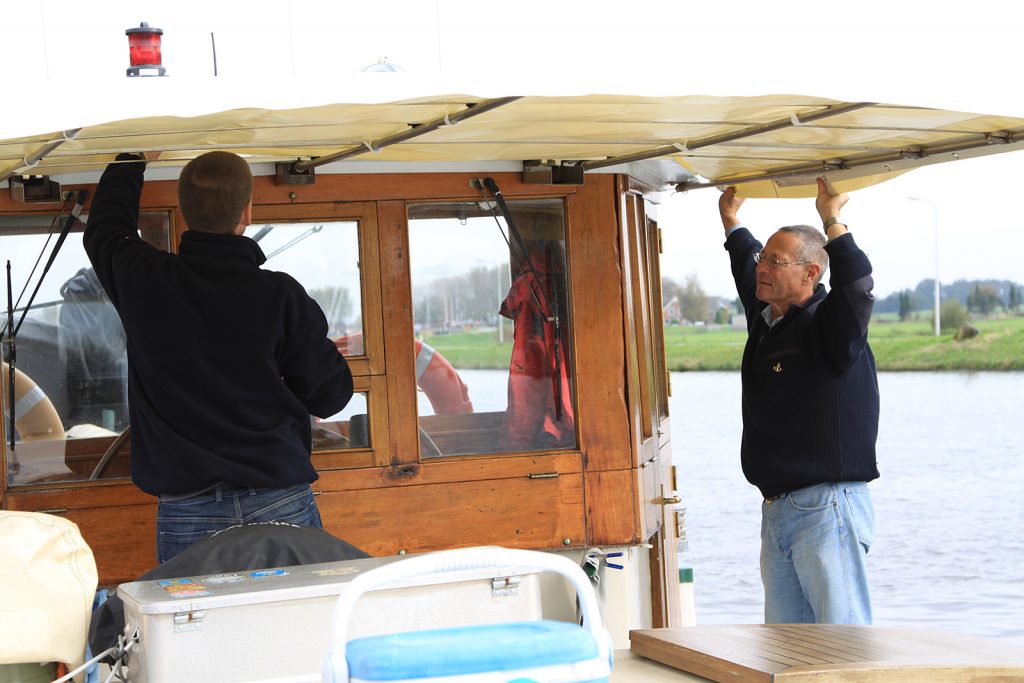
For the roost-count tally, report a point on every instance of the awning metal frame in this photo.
(415, 131)
(881, 159)
(792, 120)
(37, 156)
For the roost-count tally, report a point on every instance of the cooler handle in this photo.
(335, 669)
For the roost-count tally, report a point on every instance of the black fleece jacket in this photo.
(810, 390)
(225, 361)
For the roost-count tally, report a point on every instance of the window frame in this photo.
(85, 449)
(569, 335)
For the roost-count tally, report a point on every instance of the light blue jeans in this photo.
(180, 523)
(814, 543)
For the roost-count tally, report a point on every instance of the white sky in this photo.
(963, 56)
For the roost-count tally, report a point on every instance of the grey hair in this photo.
(812, 246)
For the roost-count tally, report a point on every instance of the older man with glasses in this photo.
(810, 411)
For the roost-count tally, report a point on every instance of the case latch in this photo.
(505, 586)
(189, 621)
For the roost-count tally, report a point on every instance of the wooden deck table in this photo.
(827, 653)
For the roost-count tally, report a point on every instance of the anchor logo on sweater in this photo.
(777, 367)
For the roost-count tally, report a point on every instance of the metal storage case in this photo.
(273, 625)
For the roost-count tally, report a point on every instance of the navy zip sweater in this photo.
(810, 390)
(226, 361)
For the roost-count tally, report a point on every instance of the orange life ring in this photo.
(35, 418)
(437, 378)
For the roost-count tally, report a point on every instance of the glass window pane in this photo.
(324, 258)
(348, 429)
(491, 317)
(71, 379)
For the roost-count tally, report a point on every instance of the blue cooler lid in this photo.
(470, 649)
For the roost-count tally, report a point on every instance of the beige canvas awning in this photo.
(773, 145)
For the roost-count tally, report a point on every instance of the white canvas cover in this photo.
(764, 136)
(47, 585)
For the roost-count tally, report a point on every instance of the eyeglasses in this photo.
(772, 262)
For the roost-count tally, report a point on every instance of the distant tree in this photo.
(906, 305)
(693, 302)
(429, 307)
(722, 316)
(984, 299)
(1014, 300)
(952, 315)
(336, 303)
(482, 291)
(669, 289)
(737, 303)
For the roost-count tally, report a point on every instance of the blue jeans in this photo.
(180, 523)
(814, 542)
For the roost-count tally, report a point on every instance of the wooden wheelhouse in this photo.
(382, 210)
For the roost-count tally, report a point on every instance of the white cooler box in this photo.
(535, 651)
(274, 625)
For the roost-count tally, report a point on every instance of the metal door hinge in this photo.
(681, 542)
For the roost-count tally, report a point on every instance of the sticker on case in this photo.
(268, 572)
(225, 578)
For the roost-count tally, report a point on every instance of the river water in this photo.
(949, 538)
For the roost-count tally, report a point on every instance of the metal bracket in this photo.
(286, 173)
(35, 189)
(552, 173)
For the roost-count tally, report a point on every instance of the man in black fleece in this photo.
(226, 361)
(810, 411)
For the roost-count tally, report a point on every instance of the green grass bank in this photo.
(897, 346)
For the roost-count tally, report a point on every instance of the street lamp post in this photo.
(935, 225)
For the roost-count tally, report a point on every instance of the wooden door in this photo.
(648, 383)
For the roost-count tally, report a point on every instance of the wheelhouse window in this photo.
(347, 429)
(324, 257)
(491, 318)
(71, 396)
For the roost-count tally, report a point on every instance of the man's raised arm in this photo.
(728, 208)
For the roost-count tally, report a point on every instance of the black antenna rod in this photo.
(69, 220)
(213, 45)
(523, 258)
(10, 352)
(8, 342)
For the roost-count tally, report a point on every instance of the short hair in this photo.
(812, 246)
(213, 190)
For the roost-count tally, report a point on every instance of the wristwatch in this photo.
(830, 221)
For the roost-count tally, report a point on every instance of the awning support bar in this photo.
(750, 131)
(1002, 137)
(470, 111)
(35, 157)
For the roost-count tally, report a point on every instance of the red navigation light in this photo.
(144, 51)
